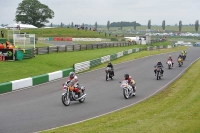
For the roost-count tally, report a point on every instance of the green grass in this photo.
(64, 32)
(174, 110)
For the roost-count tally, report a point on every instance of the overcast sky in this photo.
(100, 11)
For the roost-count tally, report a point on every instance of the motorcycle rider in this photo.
(111, 66)
(73, 79)
(170, 58)
(184, 52)
(131, 82)
(159, 64)
(180, 56)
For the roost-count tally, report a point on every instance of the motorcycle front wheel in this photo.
(179, 64)
(158, 76)
(83, 99)
(169, 66)
(65, 99)
(106, 77)
(126, 93)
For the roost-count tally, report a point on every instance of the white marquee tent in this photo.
(22, 26)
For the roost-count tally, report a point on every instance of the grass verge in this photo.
(174, 110)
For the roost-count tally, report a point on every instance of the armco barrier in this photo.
(95, 62)
(5, 87)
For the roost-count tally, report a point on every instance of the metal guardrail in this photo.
(77, 47)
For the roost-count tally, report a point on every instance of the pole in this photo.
(24, 39)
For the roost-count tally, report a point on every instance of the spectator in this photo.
(11, 46)
(7, 44)
(1, 46)
(2, 33)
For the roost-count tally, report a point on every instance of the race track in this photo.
(40, 107)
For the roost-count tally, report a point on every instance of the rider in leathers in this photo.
(159, 64)
(131, 82)
(111, 66)
(73, 79)
(170, 58)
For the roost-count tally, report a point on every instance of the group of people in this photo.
(8, 45)
(160, 65)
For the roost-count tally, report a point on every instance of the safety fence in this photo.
(78, 47)
(32, 81)
(70, 39)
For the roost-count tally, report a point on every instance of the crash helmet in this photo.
(71, 74)
(109, 63)
(126, 76)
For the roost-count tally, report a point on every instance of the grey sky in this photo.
(100, 11)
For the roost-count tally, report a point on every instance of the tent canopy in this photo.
(22, 26)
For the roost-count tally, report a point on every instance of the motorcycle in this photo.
(127, 89)
(169, 63)
(109, 73)
(71, 95)
(184, 56)
(180, 62)
(158, 73)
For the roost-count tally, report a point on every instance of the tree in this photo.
(95, 25)
(197, 25)
(180, 26)
(108, 25)
(149, 24)
(51, 25)
(72, 25)
(61, 24)
(34, 13)
(121, 25)
(163, 25)
(134, 25)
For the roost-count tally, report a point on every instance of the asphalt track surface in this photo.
(40, 108)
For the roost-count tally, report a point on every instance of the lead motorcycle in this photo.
(127, 89)
(71, 95)
(109, 73)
